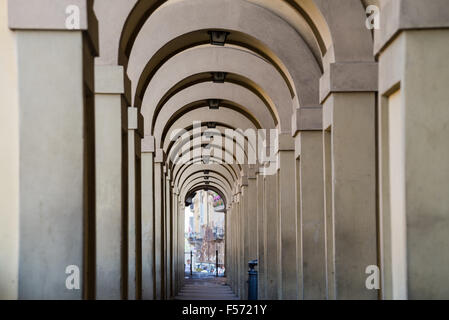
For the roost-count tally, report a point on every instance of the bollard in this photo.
(252, 280)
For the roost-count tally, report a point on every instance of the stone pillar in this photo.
(135, 132)
(56, 147)
(230, 237)
(234, 247)
(413, 156)
(347, 92)
(239, 244)
(158, 224)
(148, 219)
(164, 230)
(271, 236)
(287, 217)
(310, 221)
(168, 234)
(244, 243)
(252, 216)
(111, 176)
(180, 252)
(9, 161)
(262, 276)
(227, 243)
(181, 242)
(329, 221)
(175, 242)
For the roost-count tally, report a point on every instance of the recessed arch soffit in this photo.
(233, 119)
(164, 129)
(236, 169)
(207, 77)
(208, 135)
(196, 164)
(121, 21)
(195, 170)
(226, 191)
(204, 59)
(227, 93)
(303, 15)
(201, 178)
(221, 193)
(224, 147)
(195, 133)
(275, 37)
(216, 155)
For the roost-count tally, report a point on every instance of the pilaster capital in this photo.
(112, 80)
(53, 15)
(399, 15)
(160, 156)
(148, 144)
(244, 181)
(349, 77)
(236, 188)
(252, 171)
(284, 142)
(307, 118)
(169, 175)
(133, 118)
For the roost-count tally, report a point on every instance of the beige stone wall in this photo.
(9, 161)
(356, 174)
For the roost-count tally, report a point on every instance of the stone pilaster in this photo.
(111, 160)
(244, 239)
(168, 235)
(56, 186)
(148, 220)
(159, 261)
(287, 216)
(262, 261)
(347, 93)
(135, 132)
(310, 221)
(412, 48)
(271, 236)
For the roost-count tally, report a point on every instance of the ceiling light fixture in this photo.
(219, 77)
(214, 104)
(218, 38)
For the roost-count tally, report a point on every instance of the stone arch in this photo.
(216, 169)
(203, 59)
(226, 198)
(202, 185)
(200, 178)
(195, 140)
(266, 32)
(224, 92)
(229, 117)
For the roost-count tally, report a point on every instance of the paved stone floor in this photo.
(206, 289)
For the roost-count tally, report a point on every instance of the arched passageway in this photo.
(303, 117)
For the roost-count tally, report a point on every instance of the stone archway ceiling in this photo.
(303, 15)
(269, 71)
(264, 78)
(208, 187)
(263, 30)
(178, 147)
(227, 95)
(206, 78)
